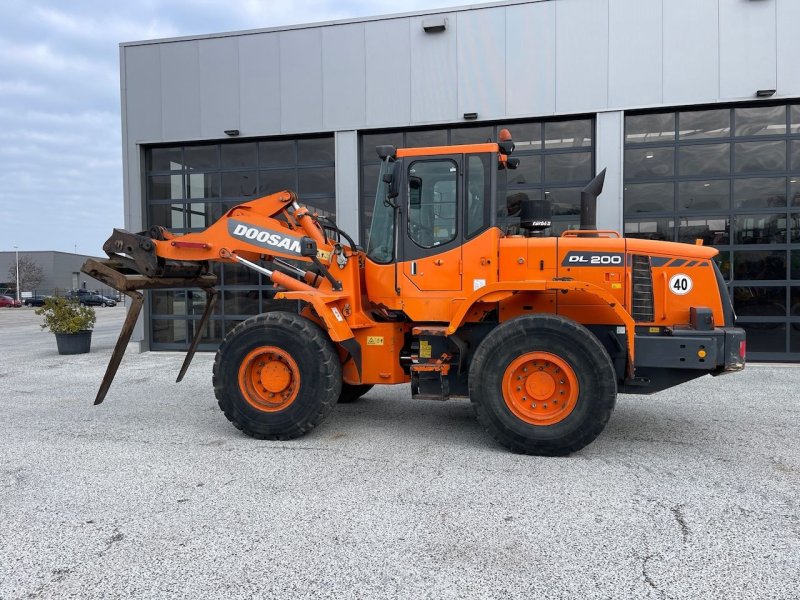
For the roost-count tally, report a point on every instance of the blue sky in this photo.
(60, 152)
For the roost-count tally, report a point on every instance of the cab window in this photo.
(432, 202)
(478, 193)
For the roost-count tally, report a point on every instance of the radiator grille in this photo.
(642, 284)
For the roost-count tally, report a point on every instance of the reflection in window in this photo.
(429, 137)
(698, 124)
(202, 185)
(568, 167)
(169, 331)
(528, 173)
(276, 153)
(760, 156)
(765, 337)
(316, 180)
(165, 159)
(202, 158)
(712, 230)
(526, 136)
(761, 264)
(649, 163)
(651, 229)
(167, 215)
(165, 187)
(641, 129)
(759, 301)
(704, 159)
(275, 180)
(239, 155)
(239, 184)
(649, 197)
(471, 135)
(565, 201)
(760, 229)
(704, 195)
(568, 134)
(760, 193)
(760, 120)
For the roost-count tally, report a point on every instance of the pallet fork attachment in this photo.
(118, 275)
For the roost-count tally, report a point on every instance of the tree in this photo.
(30, 274)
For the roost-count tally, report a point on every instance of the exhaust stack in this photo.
(589, 196)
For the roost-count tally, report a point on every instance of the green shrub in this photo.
(66, 316)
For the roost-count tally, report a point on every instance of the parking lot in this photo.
(691, 493)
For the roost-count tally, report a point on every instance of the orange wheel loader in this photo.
(457, 292)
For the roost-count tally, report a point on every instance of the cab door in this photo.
(432, 237)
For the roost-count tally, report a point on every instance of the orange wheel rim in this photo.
(540, 388)
(269, 379)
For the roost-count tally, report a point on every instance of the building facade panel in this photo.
(388, 73)
(219, 86)
(747, 59)
(142, 91)
(301, 80)
(531, 59)
(344, 76)
(481, 63)
(434, 71)
(691, 51)
(788, 47)
(581, 55)
(180, 90)
(635, 49)
(259, 84)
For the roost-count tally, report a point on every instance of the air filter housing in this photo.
(535, 215)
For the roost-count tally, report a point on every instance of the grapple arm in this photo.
(270, 228)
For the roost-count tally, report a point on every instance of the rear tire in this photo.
(351, 393)
(277, 376)
(542, 384)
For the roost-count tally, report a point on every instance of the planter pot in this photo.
(74, 343)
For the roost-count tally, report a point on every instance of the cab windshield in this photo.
(380, 245)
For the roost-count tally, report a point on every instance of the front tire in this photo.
(277, 376)
(542, 384)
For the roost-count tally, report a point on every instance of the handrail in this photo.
(590, 232)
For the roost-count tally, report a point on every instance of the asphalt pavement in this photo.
(690, 493)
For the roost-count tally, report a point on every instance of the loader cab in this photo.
(430, 202)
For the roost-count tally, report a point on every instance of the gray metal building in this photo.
(692, 105)
(61, 271)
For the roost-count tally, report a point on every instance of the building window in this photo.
(189, 187)
(731, 177)
(556, 161)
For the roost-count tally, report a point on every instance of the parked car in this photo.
(95, 300)
(9, 301)
(35, 300)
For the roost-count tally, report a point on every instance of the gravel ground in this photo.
(691, 493)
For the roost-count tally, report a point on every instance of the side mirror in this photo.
(393, 181)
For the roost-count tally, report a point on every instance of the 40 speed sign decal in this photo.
(680, 284)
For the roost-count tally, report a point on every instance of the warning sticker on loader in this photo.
(424, 349)
(374, 340)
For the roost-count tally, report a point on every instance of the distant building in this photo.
(61, 271)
